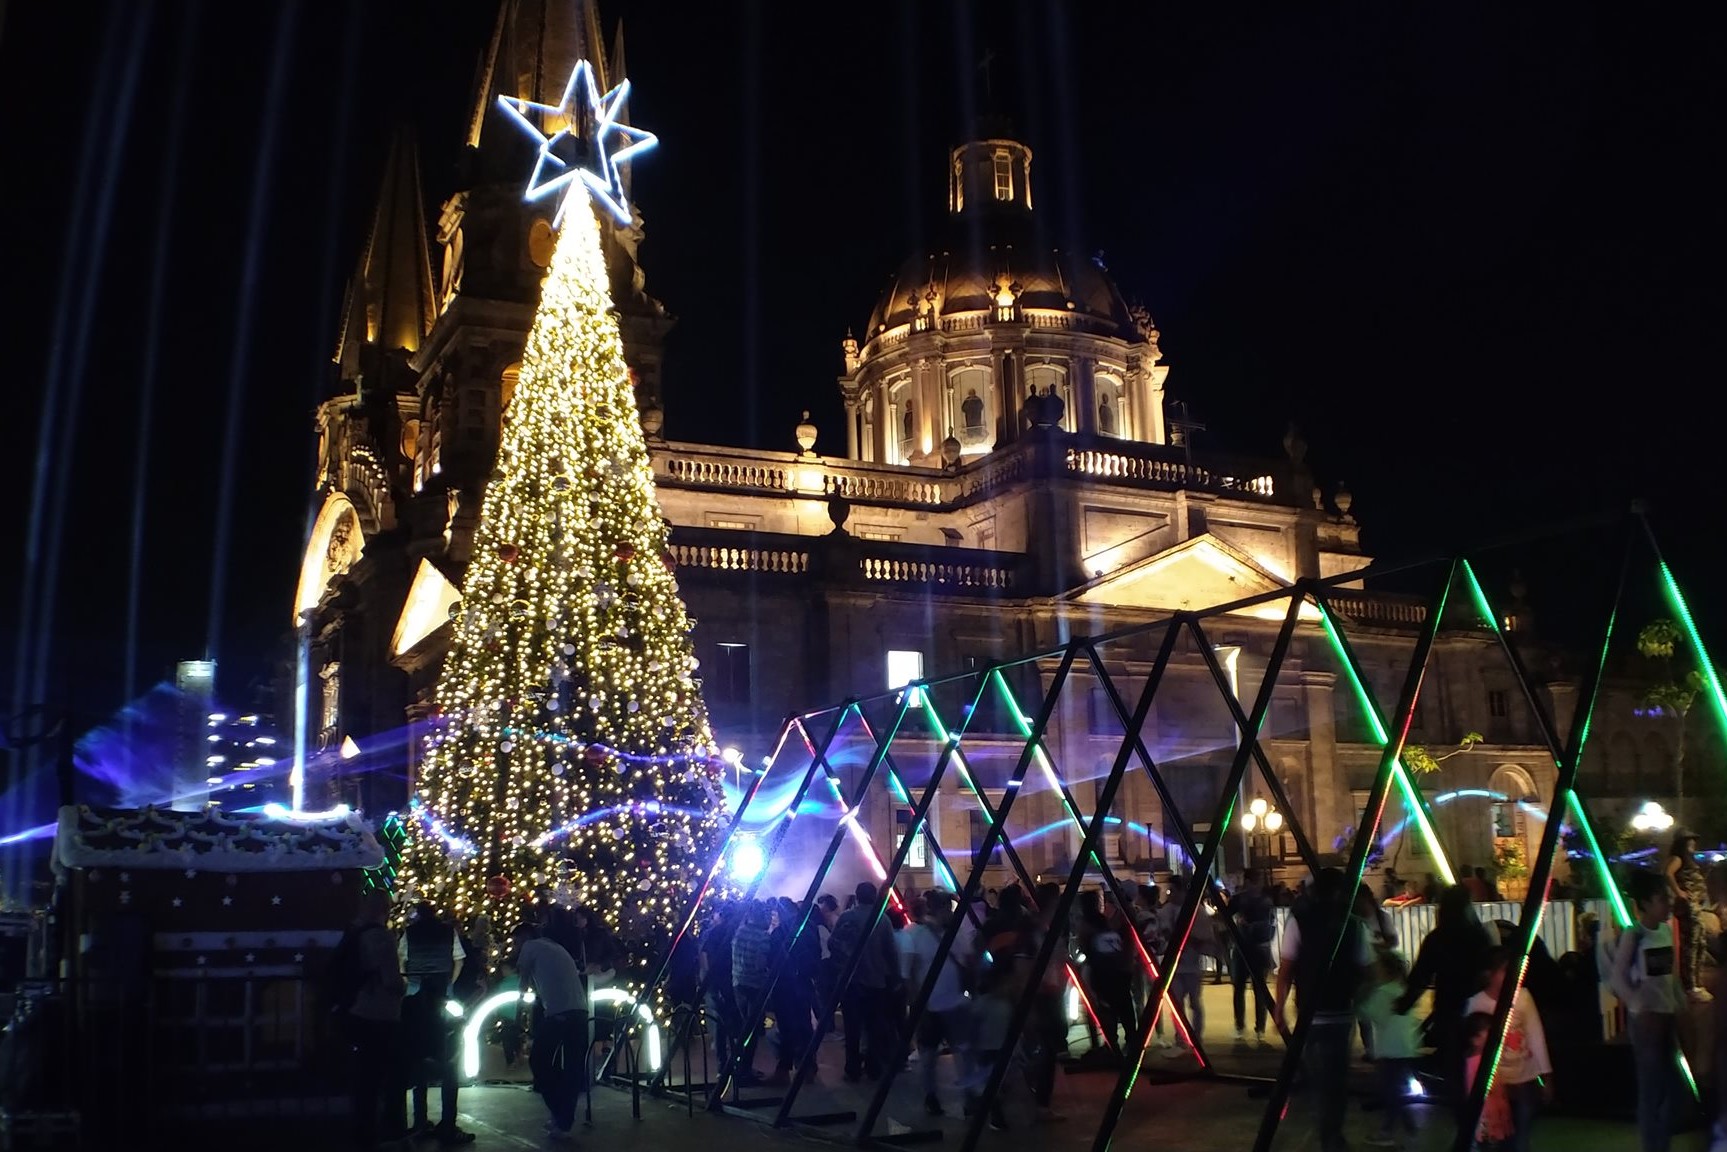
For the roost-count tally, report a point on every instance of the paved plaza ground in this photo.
(1170, 1109)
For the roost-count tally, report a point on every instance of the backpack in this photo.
(345, 974)
(847, 933)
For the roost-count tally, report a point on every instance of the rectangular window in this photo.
(1003, 176)
(919, 856)
(903, 667)
(1100, 714)
(729, 680)
(877, 532)
(979, 831)
(732, 525)
(1498, 706)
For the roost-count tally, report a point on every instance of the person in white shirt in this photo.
(1398, 1044)
(948, 1014)
(1644, 978)
(560, 1043)
(1524, 1067)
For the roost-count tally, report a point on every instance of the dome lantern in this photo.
(989, 176)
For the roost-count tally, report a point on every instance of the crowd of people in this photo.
(840, 966)
(754, 963)
(392, 995)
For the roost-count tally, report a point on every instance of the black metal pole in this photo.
(1353, 663)
(1364, 838)
(1172, 812)
(1056, 933)
(1202, 870)
(631, 1018)
(1535, 900)
(920, 811)
(919, 1003)
(778, 838)
(728, 1070)
(1266, 771)
(1107, 872)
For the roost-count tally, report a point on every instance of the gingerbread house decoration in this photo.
(213, 928)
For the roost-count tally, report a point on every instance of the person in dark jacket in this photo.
(1450, 961)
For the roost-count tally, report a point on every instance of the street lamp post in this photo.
(1651, 819)
(1262, 819)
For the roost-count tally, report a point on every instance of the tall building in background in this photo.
(1012, 473)
(195, 682)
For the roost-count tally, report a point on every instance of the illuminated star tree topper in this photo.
(586, 152)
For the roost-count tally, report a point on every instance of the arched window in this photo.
(973, 408)
(1510, 823)
(1110, 418)
(1053, 377)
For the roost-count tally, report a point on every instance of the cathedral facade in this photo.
(1011, 475)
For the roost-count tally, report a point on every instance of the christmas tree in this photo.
(571, 750)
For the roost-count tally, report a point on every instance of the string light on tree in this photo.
(571, 750)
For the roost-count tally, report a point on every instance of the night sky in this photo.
(1476, 253)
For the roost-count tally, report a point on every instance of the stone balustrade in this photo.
(1383, 609)
(700, 473)
(997, 571)
(741, 558)
(1131, 465)
(1040, 455)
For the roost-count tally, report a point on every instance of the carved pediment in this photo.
(1199, 573)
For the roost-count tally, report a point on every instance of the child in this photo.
(1643, 977)
(1525, 1073)
(1495, 1128)
(1395, 1045)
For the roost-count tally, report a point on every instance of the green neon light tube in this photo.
(1706, 666)
(1621, 914)
(1399, 773)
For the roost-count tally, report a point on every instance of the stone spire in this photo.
(390, 304)
(535, 45)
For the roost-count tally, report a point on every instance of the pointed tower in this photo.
(495, 247)
(387, 314)
(353, 571)
(391, 301)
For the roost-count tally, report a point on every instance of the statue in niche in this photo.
(1105, 416)
(907, 422)
(971, 409)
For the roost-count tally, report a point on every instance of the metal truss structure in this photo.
(908, 742)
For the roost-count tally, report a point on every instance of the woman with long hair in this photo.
(1690, 892)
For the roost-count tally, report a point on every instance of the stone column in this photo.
(1331, 806)
(1085, 395)
(883, 417)
(933, 402)
(851, 430)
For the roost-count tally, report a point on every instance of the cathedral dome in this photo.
(994, 260)
(993, 331)
(1000, 273)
